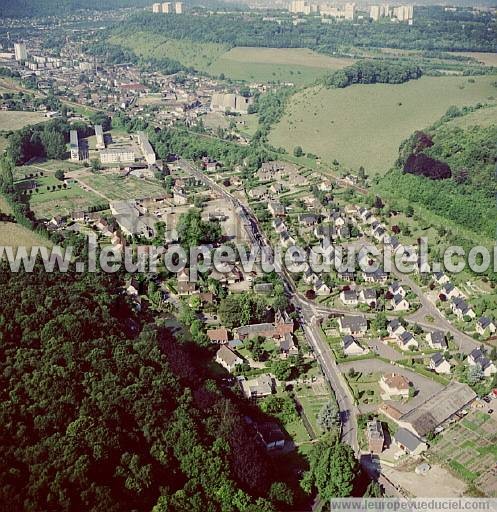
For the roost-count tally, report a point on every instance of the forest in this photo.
(465, 158)
(373, 72)
(97, 417)
(252, 30)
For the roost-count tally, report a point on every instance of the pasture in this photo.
(297, 65)
(365, 124)
(15, 120)
(482, 117)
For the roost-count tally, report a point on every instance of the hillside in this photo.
(365, 124)
(96, 418)
(467, 197)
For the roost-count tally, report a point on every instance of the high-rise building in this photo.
(156, 7)
(178, 7)
(166, 7)
(349, 12)
(374, 12)
(20, 51)
(74, 144)
(300, 7)
(99, 135)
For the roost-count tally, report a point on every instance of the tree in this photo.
(474, 374)
(281, 493)
(59, 174)
(298, 151)
(373, 490)
(333, 468)
(282, 369)
(6, 174)
(95, 165)
(328, 417)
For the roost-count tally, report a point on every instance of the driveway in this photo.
(425, 387)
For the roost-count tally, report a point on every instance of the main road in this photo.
(308, 314)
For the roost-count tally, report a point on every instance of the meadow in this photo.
(365, 124)
(297, 65)
(15, 235)
(189, 53)
(15, 120)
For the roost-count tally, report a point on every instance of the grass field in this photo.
(4, 205)
(189, 53)
(14, 235)
(482, 117)
(297, 65)
(365, 124)
(116, 187)
(14, 120)
(489, 59)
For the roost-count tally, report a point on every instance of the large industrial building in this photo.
(230, 102)
(118, 155)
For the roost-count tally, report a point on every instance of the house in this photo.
(179, 197)
(461, 309)
(325, 231)
(436, 340)
(364, 214)
(308, 219)
(258, 387)
(325, 186)
(397, 289)
(287, 346)
(279, 226)
(353, 325)
(276, 188)
(375, 436)
(346, 276)
(281, 326)
(271, 435)
(368, 296)
(399, 303)
(260, 192)
(286, 239)
(394, 384)
(485, 326)
(440, 278)
(219, 336)
(349, 297)
(409, 443)
(310, 277)
(439, 364)
(478, 357)
(227, 358)
(351, 347)
(406, 341)
(378, 276)
(395, 328)
(450, 291)
(321, 288)
(276, 209)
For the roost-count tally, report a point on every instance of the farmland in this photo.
(469, 450)
(365, 124)
(297, 65)
(14, 120)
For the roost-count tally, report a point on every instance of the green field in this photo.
(15, 235)
(189, 53)
(482, 117)
(117, 187)
(365, 124)
(15, 120)
(296, 65)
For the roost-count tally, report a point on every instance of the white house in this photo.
(349, 297)
(399, 303)
(351, 347)
(227, 358)
(436, 340)
(485, 326)
(439, 364)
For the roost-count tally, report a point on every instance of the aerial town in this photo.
(100, 141)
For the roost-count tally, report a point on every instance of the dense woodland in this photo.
(467, 158)
(96, 417)
(373, 72)
(236, 30)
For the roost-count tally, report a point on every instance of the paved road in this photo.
(464, 342)
(309, 319)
